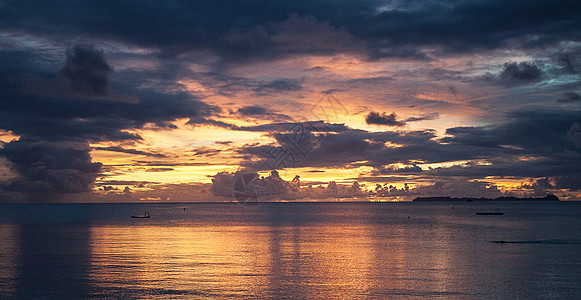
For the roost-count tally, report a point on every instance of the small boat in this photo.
(144, 216)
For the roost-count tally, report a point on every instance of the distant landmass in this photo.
(467, 199)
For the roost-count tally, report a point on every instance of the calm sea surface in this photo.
(291, 251)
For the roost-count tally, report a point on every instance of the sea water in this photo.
(291, 251)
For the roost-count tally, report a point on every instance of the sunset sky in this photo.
(146, 100)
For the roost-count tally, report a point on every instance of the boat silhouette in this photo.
(144, 216)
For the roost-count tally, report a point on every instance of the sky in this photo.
(122, 101)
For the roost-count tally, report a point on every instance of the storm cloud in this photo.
(86, 70)
(521, 72)
(51, 167)
(55, 128)
(399, 29)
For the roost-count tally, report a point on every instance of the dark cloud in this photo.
(238, 30)
(86, 70)
(570, 62)
(569, 98)
(574, 136)
(259, 112)
(531, 143)
(382, 50)
(279, 85)
(94, 119)
(374, 149)
(521, 72)
(48, 122)
(571, 182)
(464, 26)
(58, 115)
(533, 131)
(51, 167)
(129, 151)
(539, 184)
(383, 119)
(346, 147)
(252, 110)
(229, 84)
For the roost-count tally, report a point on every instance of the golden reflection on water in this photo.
(229, 261)
(197, 260)
(8, 258)
(285, 251)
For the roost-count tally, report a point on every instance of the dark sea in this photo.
(291, 251)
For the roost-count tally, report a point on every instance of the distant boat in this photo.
(497, 212)
(145, 216)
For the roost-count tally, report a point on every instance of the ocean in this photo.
(291, 251)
